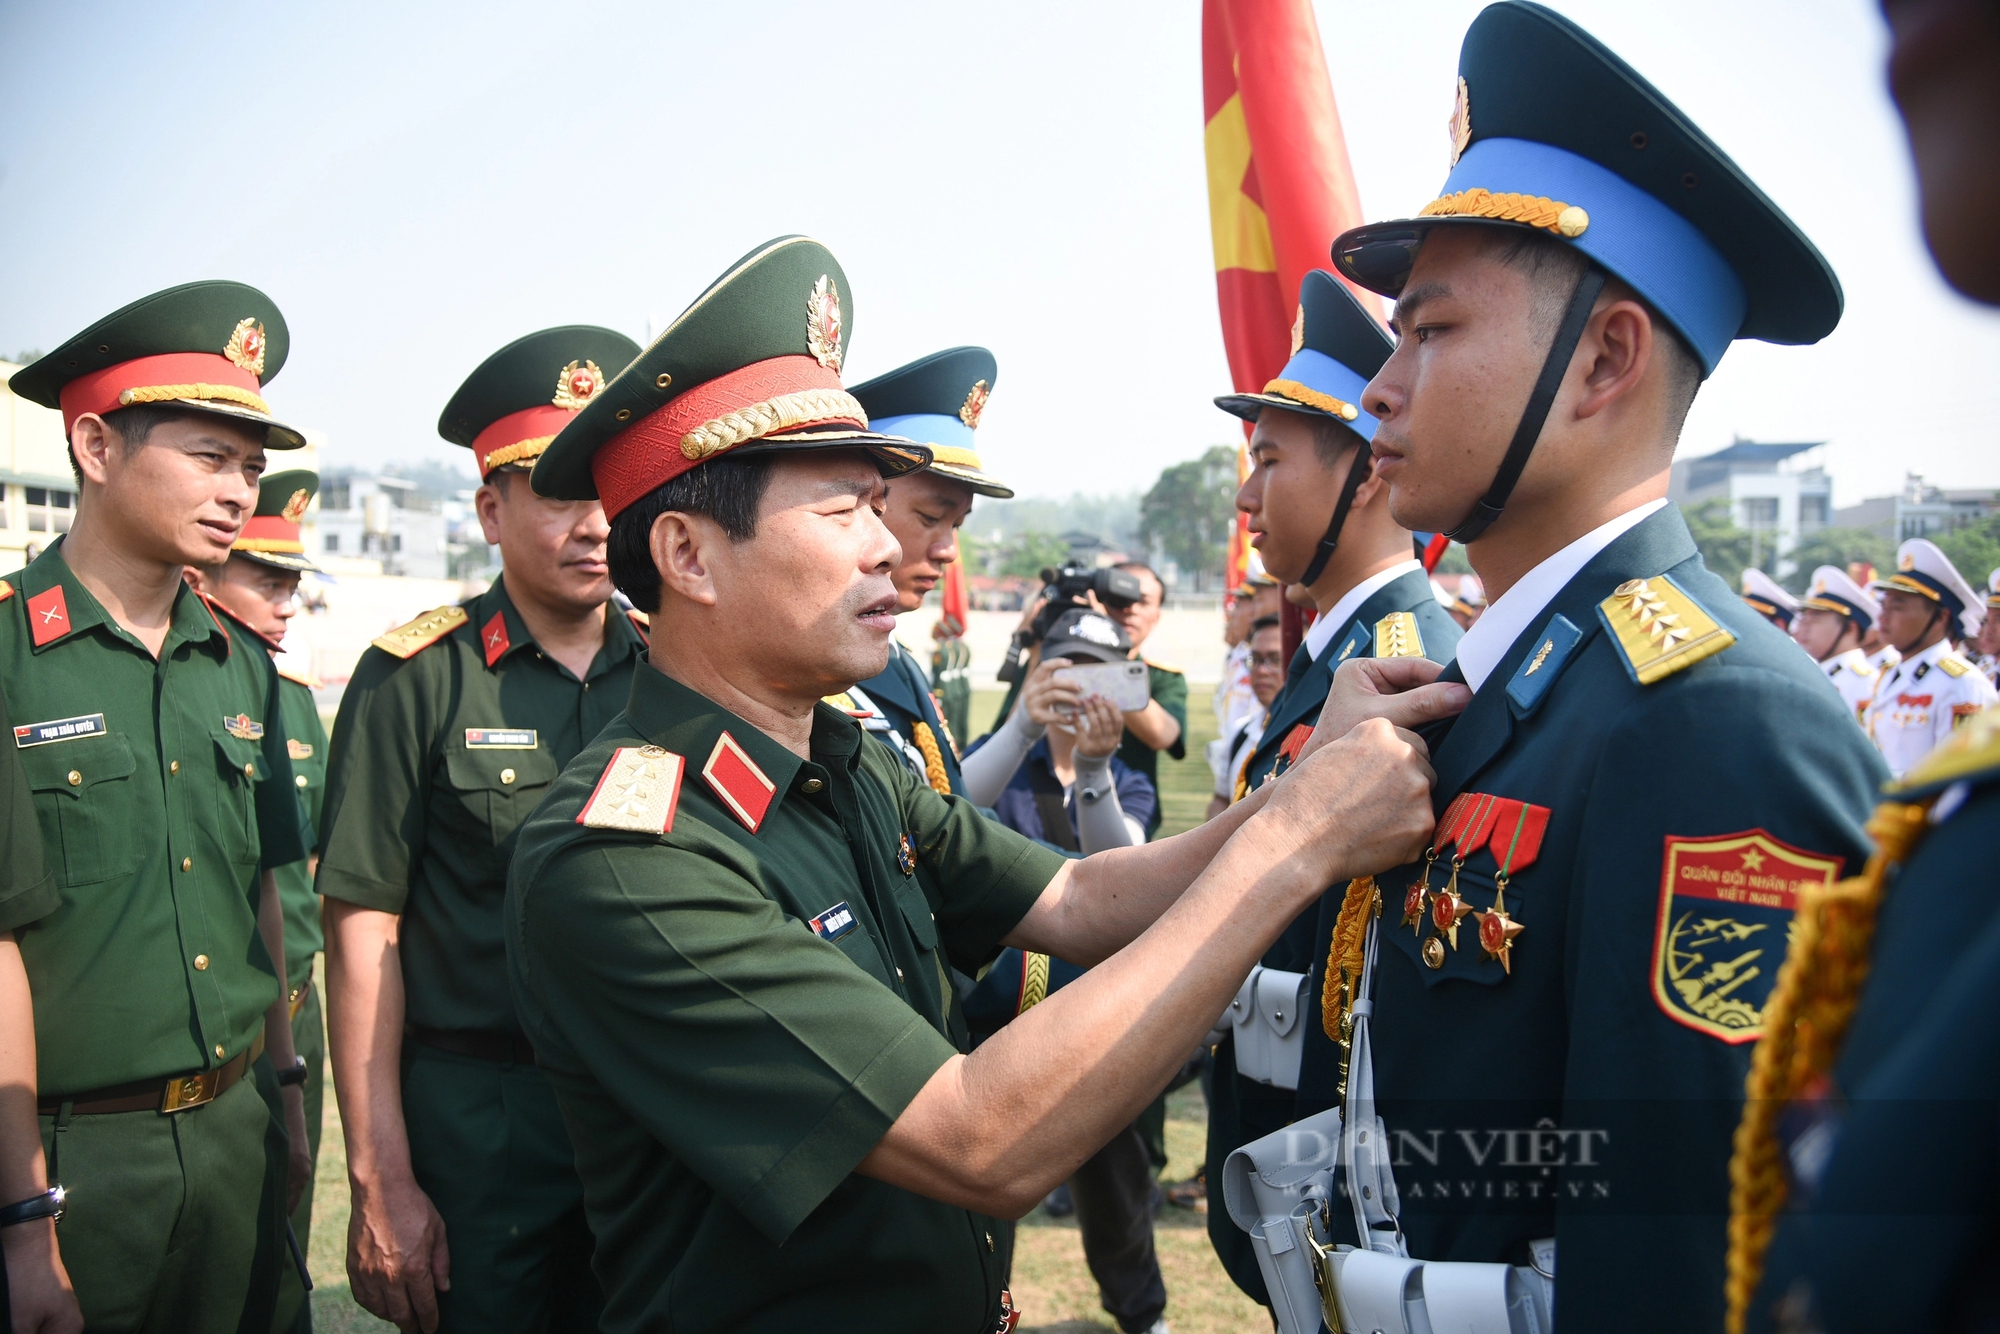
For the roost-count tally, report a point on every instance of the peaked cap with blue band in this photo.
(937, 401)
(1341, 347)
(1554, 133)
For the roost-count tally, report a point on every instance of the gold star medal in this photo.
(1497, 930)
(1446, 910)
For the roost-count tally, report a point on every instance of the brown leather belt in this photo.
(479, 1043)
(175, 1094)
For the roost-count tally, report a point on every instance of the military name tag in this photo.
(298, 750)
(501, 738)
(1726, 904)
(62, 729)
(243, 727)
(834, 923)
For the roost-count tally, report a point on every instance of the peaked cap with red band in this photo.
(753, 364)
(208, 347)
(519, 398)
(272, 536)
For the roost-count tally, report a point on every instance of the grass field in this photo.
(1051, 1285)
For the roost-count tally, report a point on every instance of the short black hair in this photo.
(729, 491)
(1265, 623)
(1554, 269)
(1332, 438)
(133, 425)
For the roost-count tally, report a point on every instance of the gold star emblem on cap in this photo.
(1460, 125)
(823, 323)
(1298, 331)
(246, 346)
(975, 405)
(296, 506)
(577, 385)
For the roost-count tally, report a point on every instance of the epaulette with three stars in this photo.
(406, 641)
(1659, 629)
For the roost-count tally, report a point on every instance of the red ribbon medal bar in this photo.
(1513, 831)
(1520, 827)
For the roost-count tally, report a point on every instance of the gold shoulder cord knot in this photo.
(1804, 1022)
(1344, 960)
(934, 770)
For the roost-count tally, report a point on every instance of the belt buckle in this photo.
(187, 1091)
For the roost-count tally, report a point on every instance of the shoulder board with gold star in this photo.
(637, 792)
(1162, 666)
(1972, 751)
(1954, 666)
(1659, 629)
(6, 590)
(222, 613)
(406, 641)
(1397, 636)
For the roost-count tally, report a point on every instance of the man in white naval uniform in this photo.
(1934, 688)
(1831, 623)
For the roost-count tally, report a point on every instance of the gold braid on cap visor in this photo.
(518, 452)
(769, 417)
(1827, 604)
(1901, 584)
(1535, 210)
(1313, 398)
(167, 393)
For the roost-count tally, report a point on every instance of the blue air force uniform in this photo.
(1649, 773)
(1393, 613)
(936, 401)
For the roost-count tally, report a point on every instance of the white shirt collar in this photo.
(1853, 659)
(1322, 631)
(1909, 665)
(1509, 616)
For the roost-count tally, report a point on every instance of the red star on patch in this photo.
(493, 638)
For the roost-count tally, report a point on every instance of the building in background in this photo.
(37, 489)
(377, 523)
(1921, 510)
(1777, 493)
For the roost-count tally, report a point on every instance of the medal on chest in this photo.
(1513, 831)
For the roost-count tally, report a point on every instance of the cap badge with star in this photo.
(737, 371)
(939, 401)
(505, 412)
(1574, 144)
(1768, 598)
(1337, 348)
(207, 347)
(1834, 590)
(272, 536)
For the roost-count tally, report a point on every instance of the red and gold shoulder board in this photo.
(637, 792)
(408, 640)
(738, 783)
(1726, 905)
(6, 590)
(299, 678)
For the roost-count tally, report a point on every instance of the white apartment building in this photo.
(1777, 493)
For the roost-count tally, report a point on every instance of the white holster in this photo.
(1282, 1190)
(1270, 1040)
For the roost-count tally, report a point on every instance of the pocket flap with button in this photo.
(1280, 997)
(498, 770)
(239, 756)
(917, 912)
(75, 767)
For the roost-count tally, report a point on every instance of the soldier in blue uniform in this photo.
(1319, 519)
(1649, 775)
(935, 401)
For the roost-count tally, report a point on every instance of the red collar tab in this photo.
(493, 638)
(738, 782)
(48, 616)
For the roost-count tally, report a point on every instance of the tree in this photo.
(1974, 549)
(1190, 511)
(1840, 548)
(1025, 554)
(1724, 547)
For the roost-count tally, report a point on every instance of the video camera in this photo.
(1068, 585)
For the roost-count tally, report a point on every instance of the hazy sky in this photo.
(418, 184)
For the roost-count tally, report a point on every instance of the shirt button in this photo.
(218, 1056)
(201, 963)
(506, 775)
(899, 974)
(249, 769)
(174, 767)
(810, 786)
(187, 863)
(300, 780)
(75, 778)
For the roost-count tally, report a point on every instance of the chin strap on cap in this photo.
(1357, 471)
(1537, 412)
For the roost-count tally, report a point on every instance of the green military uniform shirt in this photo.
(437, 759)
(305, 739)
(161, 787)
(28, 887)
(733, 1019)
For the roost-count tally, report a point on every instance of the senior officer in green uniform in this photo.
(729, 922)
(467, 1211)
(1909, 1093)
(1319, 519)
(1649, 773)
(259, 586)
(152, 735)
(936, 401)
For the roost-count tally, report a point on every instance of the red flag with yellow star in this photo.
(1280, 186)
